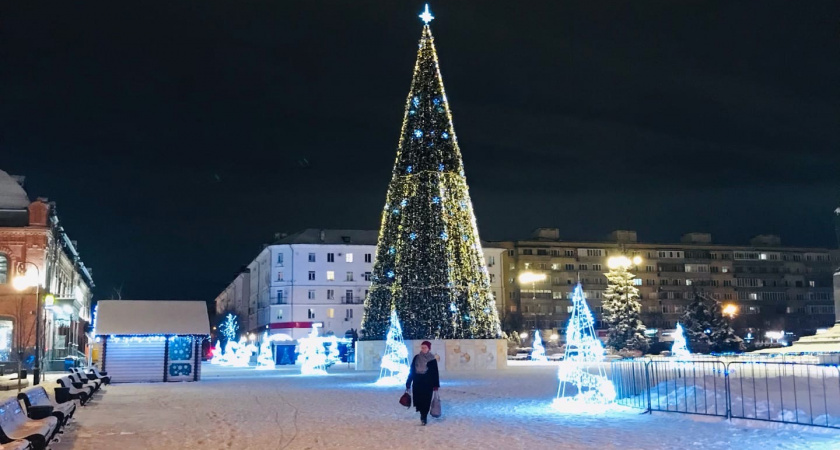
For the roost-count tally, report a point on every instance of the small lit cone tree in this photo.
(265, 360)
(311, 354)
(394, 368)
(538, 353)
(680, 348)
(217, 354)
(429, 264)
(623, 311)
(583, 349)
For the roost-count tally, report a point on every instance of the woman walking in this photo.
(424, 376)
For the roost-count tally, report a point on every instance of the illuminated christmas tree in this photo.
(583, 348)
(265, 360)
(311, 354)
(394, 367)
(229, 329)
(680, 349)
(429, 262)
(538, 354)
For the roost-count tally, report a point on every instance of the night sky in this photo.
(178, 136)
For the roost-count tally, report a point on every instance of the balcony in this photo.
(352, 300)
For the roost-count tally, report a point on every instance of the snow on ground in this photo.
(510, 409)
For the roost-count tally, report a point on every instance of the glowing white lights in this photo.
(312, 353)
(265, 360)
(538, 354)
(577, 384)
(426, 16)
(680, 348)
(394, 368)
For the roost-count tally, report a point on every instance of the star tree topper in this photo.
(427, 16)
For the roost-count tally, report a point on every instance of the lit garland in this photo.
(218, 357)
(394, 368)
(312, 355)
(582, 349)
(680, 348)
(429, 255)
(538, 353)
(265, 360)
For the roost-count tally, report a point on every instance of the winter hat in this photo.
(427, 344)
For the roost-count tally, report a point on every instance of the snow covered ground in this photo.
(280, 409)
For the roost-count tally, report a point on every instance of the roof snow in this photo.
(12, 195)
(147, 317)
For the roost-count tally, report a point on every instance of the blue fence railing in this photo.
(748, 388)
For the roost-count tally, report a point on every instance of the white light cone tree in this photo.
(394, 368)
(265, 360)
(680, 348)
(311, 354)
(583, 348)
(538, 353)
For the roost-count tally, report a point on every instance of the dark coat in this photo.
(424, 385)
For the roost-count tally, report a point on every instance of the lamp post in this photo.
(531, 277)
(730, 310)
(20, 283)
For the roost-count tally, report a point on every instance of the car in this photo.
(556, 357)
(522, 356)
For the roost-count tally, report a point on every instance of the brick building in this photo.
(33, 243)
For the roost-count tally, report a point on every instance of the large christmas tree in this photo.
(429, 263)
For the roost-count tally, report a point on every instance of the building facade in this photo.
(771, 286)
(33, 244)
(314, 276)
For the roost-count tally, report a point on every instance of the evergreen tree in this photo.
(429, 262)
(723, 337)
(538, 353)
(623, 312)
(697, 322)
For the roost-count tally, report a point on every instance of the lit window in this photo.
(637, 281)
(330, 275)
(330, 313)
(348, 257)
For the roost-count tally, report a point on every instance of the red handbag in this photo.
(405, 400)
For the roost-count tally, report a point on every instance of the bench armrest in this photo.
(39, 411)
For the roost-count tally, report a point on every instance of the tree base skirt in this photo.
(455, 355)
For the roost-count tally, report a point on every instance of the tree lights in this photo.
(394, 368)
(577, 384)
(429, 256)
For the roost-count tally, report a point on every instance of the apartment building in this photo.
(771, 286)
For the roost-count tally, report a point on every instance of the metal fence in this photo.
(753, 389)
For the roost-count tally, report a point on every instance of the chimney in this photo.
(623, 237)
(552, 234)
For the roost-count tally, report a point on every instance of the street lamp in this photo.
(21, 282)
(730, 310)
(531, 277)
(615, 262)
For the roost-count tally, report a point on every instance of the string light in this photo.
(418, 269)
(394, 367)
(583, 348)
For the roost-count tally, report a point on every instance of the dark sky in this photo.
(178, 136)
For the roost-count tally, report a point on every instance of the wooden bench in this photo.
(37, 397)
(14, 425)
(70, 390)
